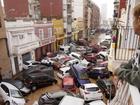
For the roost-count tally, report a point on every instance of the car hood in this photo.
(19, 101)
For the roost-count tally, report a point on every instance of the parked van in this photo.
(64, 49)
(70, 100)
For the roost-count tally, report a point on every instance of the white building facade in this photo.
(67, 16)
(22, 42)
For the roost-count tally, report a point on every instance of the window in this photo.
(92, 89)
(49, 32)
(21, 36)
(15, 40)
(41, 33)
(5, 88)
(16, 93)
(29, 33)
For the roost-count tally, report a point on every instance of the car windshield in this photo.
(83, 75)
(15, 93)
(92, 89)
(18, 84)
(26, 63)
(35, 63)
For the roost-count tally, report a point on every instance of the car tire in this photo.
(7, 103)
(33, 88)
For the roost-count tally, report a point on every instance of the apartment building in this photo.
(22, 43)
(5, 65)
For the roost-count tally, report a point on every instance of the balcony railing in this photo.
(127, 43)
(126, 95)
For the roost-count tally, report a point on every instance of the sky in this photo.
(109, 4)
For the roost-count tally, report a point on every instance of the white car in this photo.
(71, 62)
(10, 94)
(90, 92)
(75, 55)
(63, 72)
(70, 100)
(97, 102)
(103, 54)
(30, 63)
(64, 49)
(47, 61)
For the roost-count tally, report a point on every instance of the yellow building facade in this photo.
(78, 28)
(58, 31)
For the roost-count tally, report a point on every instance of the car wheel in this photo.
(34, 88)
(7, 103)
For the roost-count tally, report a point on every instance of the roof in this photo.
(70, 100)
(97, 102)
(64, 68)
(9, 85)
(79, 67)
(99, 68)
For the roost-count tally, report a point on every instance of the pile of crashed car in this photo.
(75, 65)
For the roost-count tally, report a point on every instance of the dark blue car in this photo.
(99, 72)
(79, 74)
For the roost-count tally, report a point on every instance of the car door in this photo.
(45, 80)
(4, 91)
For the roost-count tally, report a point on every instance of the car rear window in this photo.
(92, 89)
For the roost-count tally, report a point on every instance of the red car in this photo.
(68, 84)
(91, 57)
(103, 64)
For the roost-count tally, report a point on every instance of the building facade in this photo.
(44, 31)
(78, 18)
(5, 64)
(22, 43)
(12, 10)
(67, 17)
(96, 17)
(51, 8)
(58, 31)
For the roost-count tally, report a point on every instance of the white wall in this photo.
(78, 8)
(20, 33)
(21, 39)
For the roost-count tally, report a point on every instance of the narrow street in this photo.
(31, 98)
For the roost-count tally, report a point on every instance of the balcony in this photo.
(127, 42)
(19, 49)
(126, 95)
(69, 1)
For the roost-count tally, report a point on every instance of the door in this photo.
(16, 64)
(26, 57)
(38, 54)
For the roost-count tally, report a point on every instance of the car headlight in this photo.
(14, 103)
